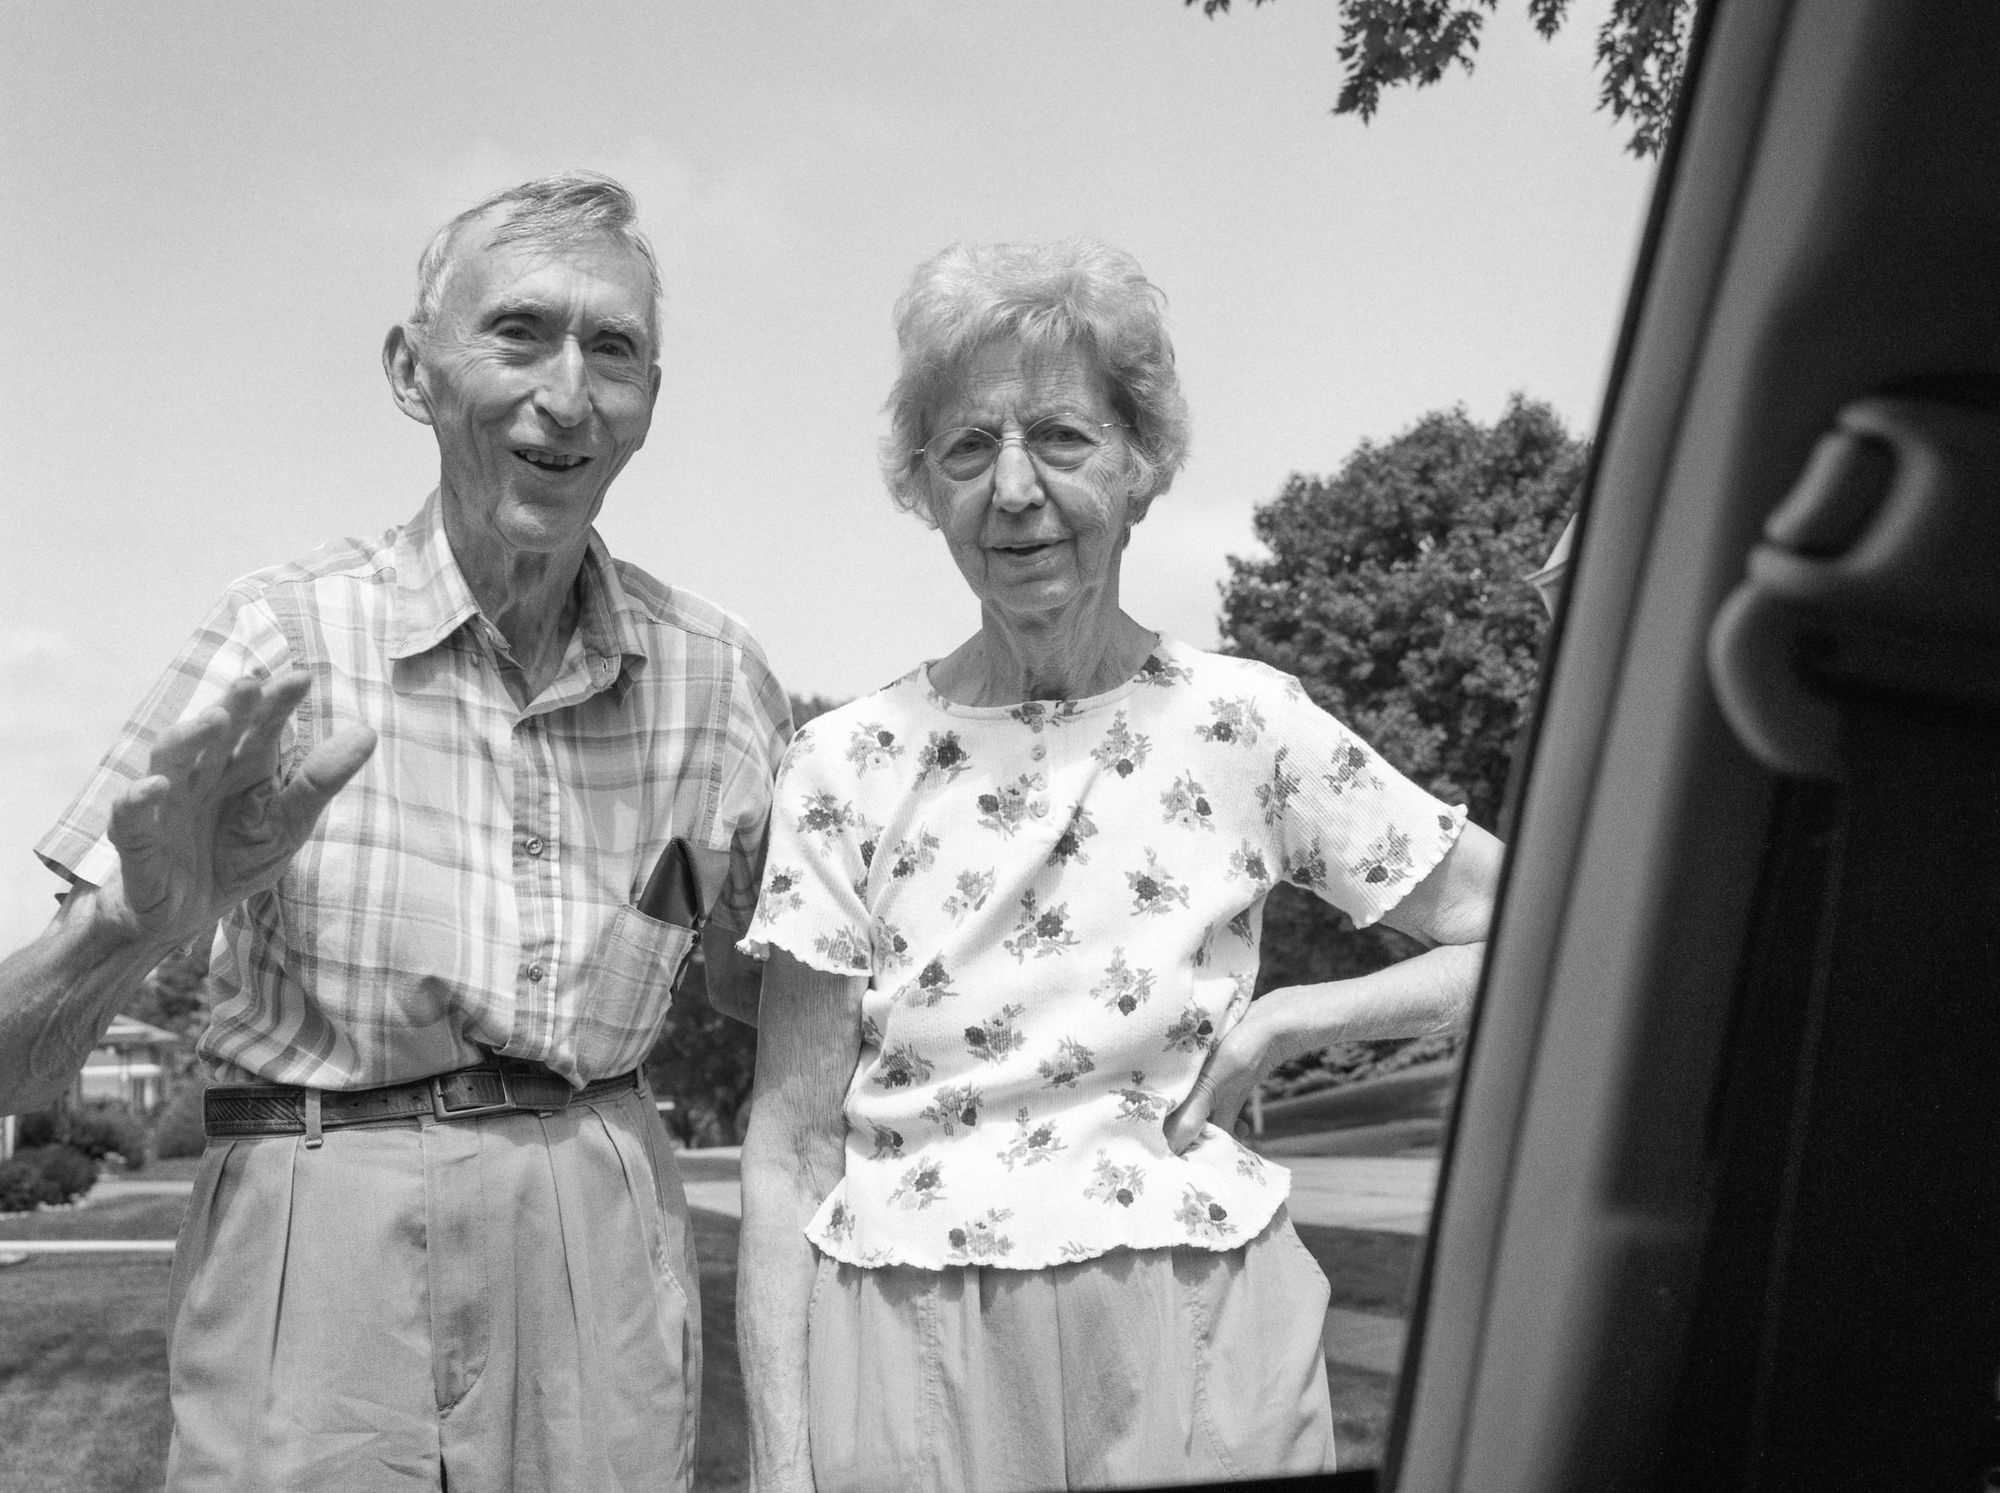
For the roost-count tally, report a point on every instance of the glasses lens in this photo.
(1064, 441)
(963, 453)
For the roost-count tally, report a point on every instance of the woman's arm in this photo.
(808, 1042)
(1449, 909)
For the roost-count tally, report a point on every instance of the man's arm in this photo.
(58, 994)
(1449, 910)
(808, 1042)
(209, 826)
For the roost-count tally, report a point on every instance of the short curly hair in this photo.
(1068, 295)
(549, 211)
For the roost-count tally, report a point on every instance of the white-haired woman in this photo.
(997, 1233)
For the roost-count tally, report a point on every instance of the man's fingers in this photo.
(234, 741)
(193, 753)
(260, 709)
(327, 769)
(135, 815)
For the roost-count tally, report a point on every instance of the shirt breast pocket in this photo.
(631, 978)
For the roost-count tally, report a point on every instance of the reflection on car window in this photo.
(1390, 323)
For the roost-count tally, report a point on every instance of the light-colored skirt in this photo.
(508, 1302)
(1136, 1368)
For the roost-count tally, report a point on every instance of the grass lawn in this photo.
(157, 1217)
(721, 1453)
(83, 1374)
(1368, 1270)
(83, 1365)
(83, 1356)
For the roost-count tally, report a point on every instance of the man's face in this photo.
(538, 374)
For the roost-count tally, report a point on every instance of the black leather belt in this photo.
(495, 1088)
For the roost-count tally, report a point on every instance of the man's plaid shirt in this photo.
(471, 889)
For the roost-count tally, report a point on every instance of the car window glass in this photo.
(1391, 334)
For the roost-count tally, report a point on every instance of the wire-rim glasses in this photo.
(1063, 441)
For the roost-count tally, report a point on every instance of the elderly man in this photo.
(437, 1237)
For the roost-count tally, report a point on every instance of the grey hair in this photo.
(550, 211)
(1069, 295)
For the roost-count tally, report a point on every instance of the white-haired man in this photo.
(437, 1238)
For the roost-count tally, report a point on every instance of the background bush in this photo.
(105, 1130)
(44, 1175)
(177, 1127)
(20, 1185)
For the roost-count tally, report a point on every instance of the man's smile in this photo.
(550, 461)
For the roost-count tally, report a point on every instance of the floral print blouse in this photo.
(1057, 907)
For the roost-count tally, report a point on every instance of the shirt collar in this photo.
(432, 598)
(433, 601)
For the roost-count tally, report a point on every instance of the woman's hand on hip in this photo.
(1235, 1066)
(1431, 992)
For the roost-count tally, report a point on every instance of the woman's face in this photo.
(1033, 541)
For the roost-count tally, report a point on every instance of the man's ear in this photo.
(399, 362)
(652, 388)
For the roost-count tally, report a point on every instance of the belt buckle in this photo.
(440, 1110)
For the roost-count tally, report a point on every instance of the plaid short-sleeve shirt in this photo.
(471, 890)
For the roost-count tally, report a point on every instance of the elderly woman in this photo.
(997, 1233)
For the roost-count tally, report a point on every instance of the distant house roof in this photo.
(130, 1031)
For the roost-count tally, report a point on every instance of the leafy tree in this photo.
(703, 1062)
(174, 995)
(1641, 52)
(1396, 591)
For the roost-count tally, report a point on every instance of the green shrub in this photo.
(106, 1130)
(67, 1173)
(103, 1129)
(20, 1185)
(177, 1127)
(51, 1175)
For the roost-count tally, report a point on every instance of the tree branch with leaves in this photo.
(1641, 52)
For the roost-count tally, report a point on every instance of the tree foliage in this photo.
(703, 1062)
(175, 995)
(1641, 52)
(1396, 591)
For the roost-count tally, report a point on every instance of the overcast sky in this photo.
(214, 211)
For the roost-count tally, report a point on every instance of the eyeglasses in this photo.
(1061, 441)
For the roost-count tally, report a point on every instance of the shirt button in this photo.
(534, 845)
(535, 974)
(1038, 751)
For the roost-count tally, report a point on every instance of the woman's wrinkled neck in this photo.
(1069, 656)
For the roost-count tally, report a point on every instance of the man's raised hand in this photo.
(212, 824)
